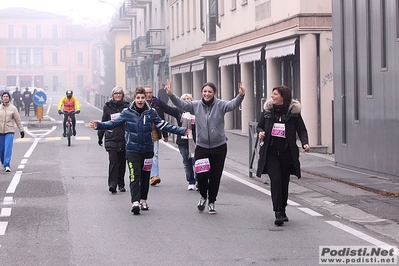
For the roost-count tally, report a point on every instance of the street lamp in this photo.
(105, 2)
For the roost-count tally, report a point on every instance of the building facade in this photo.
(263, 43)
(44, 50)
(366, 94)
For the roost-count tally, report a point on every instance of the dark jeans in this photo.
(209, 182)
(279, 166)
(27, 108)
(188, 165)
(116, 169)
(139, 179)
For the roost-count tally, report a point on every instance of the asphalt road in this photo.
(57, 210)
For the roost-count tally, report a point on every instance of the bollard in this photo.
(39, 112)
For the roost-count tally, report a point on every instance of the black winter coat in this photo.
(293, 126)
(115, 138)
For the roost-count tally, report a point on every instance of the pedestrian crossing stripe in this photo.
(19, 140)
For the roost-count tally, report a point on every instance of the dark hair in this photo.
(139, 90)
(210, 84)
(285, 92)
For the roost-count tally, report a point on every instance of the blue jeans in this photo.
(155, 166)
(188, 165)
(6, 142)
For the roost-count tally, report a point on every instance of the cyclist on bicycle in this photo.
(71, 107)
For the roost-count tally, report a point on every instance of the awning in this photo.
(228, 59)
(197, 66)
(279, 49)
(250, 55)
(185, 68)
(175, 70)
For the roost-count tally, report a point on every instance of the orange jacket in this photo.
(70, 105)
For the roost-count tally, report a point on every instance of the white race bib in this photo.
(202, 165)
(278, 130)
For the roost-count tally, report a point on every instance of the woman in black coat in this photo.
(278, 128)
(115, 141)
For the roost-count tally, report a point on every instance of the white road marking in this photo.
(5, 212)
(3, 227)
(8, 200)
(310, 212)
(14, 182)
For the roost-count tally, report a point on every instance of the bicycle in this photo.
(68, 126)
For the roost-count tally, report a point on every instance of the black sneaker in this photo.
(201, 204)
(112, 190)
(64, 135)
(74, 132)
(279, 218)
(122, 189)
(136, 209)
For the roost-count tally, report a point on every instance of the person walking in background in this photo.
(115, 140)
(185, 144)
(27, 99)
(8, 115)
(139, 119)
(277, 128)
(211, 149)
(157, 134)
(34, 105)
(16, 96)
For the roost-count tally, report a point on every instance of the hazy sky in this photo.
(76, 9)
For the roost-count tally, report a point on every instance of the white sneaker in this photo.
(7, 169)
(191, 187)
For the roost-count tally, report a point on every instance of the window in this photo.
(383, 35)
(54, 31)
(24, 56)
(221, 7)
(25, 31)
(194, 13)
(38, 31)
(80, 81)
(55, 83)
(369, 50)
(177, 20)
(189, 14)
(397, 19)
(11, 56)
(233, 4)
(10, 31)
(182, 17)
(79, 58)
(11, 81)
(173, 22)
(355, 64)
(54, 58)
(38, 56)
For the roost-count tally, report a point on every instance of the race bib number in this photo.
(147, 164)
(278, 130)
(114, 116)
(202, 165)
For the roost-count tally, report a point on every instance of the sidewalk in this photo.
(322, 165)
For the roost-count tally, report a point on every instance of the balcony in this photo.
(126, 54)
(126, 12)
(139, 46)
(156, 39)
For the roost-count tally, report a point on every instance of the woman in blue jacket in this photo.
(211, 149)
(138, 119)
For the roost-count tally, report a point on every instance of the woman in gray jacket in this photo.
(210, 152)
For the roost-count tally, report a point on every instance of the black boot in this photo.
(279, 218)
(284, 215)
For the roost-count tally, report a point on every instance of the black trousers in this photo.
(139, 179)
(279, 166)
(209, 182)
(116, 168)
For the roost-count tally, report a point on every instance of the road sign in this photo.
(39, 98)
